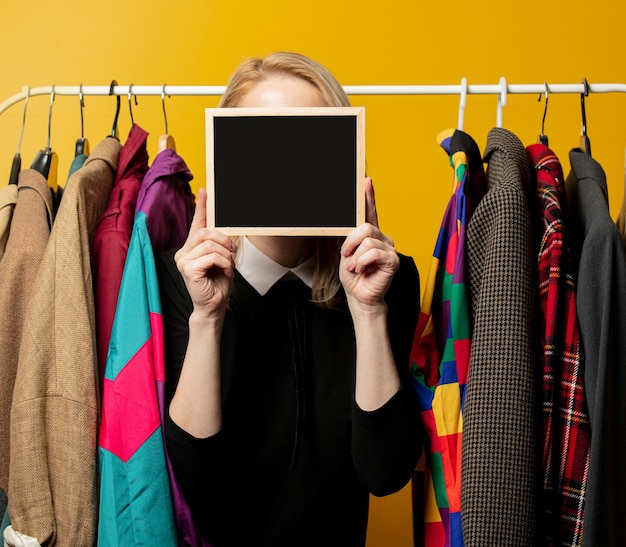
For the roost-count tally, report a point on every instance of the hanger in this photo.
(462, 103)
(46, 160)
(130, 104)
(165, 140)
(16, 166)
(543, 138)
(117, 110)
(621, 217)
(82, 144)
(585, 144)
(501, 101)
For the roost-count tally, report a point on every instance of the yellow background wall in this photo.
(402, 42)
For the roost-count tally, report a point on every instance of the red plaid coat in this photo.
(566, 428)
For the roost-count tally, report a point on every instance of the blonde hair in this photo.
(281, 63)
(326, 283)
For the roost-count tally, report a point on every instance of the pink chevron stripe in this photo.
(130, 413)
(156, 324)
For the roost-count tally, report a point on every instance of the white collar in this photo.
(262, 272)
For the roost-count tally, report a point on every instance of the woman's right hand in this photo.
(207, 265)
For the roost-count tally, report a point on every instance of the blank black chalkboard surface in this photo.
(285, 171)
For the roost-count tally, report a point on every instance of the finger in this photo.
(368, 245)
(371, 214)
(360, 234)
(205, 241)
(194, 268)
(381, 258)
(198, 267)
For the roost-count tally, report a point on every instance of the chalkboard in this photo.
(285, 171)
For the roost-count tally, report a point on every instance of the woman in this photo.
(288, 361)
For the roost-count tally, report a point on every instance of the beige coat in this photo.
(8, 199)
(54, 416)
(30, 229)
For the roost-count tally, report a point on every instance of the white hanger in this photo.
(501, 101)
(462, 103)
(130, 104)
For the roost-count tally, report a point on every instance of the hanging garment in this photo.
(3, 510)
(442, 344)
(77, 163)
(8, 198)
(566, 435)
(15, 539)
(112, 236)
(168, 202)
(499, 463)
(54, 415)
(135, 498)
(166, 198)
(601, 307)
(149, 509)
(32, 219)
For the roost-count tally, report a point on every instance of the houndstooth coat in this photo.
(499, 454)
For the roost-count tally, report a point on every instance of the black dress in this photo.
(296, 459)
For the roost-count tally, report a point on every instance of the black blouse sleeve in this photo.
(176, 307)
(192, 458)
(387, 443)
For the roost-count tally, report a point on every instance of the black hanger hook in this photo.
(82, 146)
(52, 94)
(543, 139)
(584, 94)
(130, 105)
(16, 166)
(117, 109)
(81, 101)
(585, 143)
(163, 103)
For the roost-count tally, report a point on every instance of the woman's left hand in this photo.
(368, 259)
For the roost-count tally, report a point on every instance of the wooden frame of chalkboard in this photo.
(285, 171)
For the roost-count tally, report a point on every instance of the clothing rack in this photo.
(502, 89)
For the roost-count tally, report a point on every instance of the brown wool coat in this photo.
(54, 416)
(29, 232)
(8, 199)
